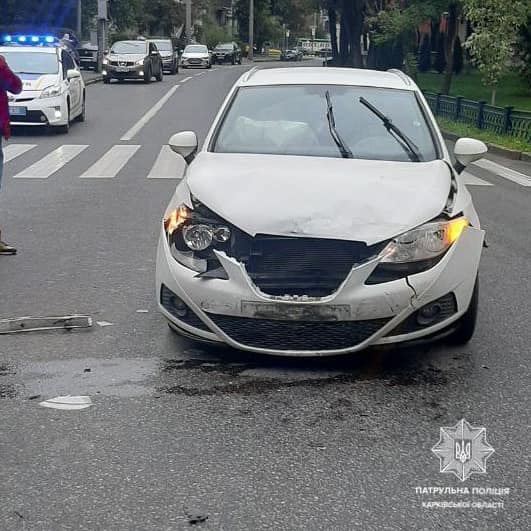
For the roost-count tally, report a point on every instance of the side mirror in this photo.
(184, 144)
(73, 74)
(467, 151)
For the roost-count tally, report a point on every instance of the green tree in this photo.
(495, 26)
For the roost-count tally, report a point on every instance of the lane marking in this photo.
(12, 151)
(472, 180)
(111, 163)
(167, 166)
(506, 173)
(149, 115)
(51, 163)
(186, 79)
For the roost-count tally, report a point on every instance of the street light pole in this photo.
(250, 55)
(188, 21)
(78, 29)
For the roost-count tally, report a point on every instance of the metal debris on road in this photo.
(68, 402)
(142, 311)
(36, 324)
(104, 323)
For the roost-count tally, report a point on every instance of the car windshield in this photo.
(292, 120)
(32, 62)
(126, 47)
(163, 46)
(224, 47)
(196, 48)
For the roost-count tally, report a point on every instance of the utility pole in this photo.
(102, 24)
(78, 29)
(250, 55)
(188, 31)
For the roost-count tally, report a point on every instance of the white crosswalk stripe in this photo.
(12, 151)
(167, 166)
(472, 180)
(506, 173)
(51, 163)
(111, 163)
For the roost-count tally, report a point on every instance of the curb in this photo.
(93, 80)
(512, 154)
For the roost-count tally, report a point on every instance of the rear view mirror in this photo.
(184, 144)
(467, 151)
(73, 74)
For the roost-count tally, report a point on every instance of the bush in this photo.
(425, 55)
(458, 56)
(440, 58)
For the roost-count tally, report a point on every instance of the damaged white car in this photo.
(323, 215)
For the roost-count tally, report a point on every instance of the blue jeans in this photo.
(1, 162)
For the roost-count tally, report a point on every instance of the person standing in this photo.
(12, 83)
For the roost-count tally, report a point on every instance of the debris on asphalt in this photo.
(142, 311)
(485, 367)
(195, 517)
(35, 324)
(34, 397)
(104, 323)
(87, 370)
(68, 402)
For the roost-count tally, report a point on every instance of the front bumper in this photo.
(130, 72)
(41, 112)
(195, 63)
(222, 310)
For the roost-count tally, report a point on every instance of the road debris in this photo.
(36, 324)
(195, 517)
(104, 323)
(68, 402)
(142, 311)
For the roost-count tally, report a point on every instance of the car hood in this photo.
(195, 55)
(347, 199)
(37, 82)
(127, 57)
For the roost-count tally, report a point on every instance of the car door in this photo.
(74, 85)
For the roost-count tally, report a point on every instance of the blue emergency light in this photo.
(26, 40)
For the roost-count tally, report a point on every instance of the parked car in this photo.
(138, 59)
(88, 55)
(227, 53)
(196, 55)
(259, 252)
(291, 55)
(169, 54)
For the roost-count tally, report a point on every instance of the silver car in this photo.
(196, 56)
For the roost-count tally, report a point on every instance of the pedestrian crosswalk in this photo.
(165, 164)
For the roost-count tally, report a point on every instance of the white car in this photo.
(53, 92)
(196, 55)
(322, 216)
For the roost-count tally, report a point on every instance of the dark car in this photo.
(291, 55)
(138, 59)
(227, 53)
(170, 57)
(88, 55)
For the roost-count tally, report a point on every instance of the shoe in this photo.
(7, 249)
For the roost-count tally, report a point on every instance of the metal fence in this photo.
(500, 120)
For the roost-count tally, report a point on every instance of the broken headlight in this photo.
(193, 234)
(417, 250)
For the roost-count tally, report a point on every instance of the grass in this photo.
(512, 90)
(471, 131)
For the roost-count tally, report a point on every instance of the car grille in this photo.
(195, 61)
(121, 63)
(297, 335)
(31, 117)
(303, 266)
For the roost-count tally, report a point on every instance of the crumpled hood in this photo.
(37, 82)
(347, 199)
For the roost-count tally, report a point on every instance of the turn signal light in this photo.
(176, 219)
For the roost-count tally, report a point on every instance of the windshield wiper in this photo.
(343, 148)
(407, 144)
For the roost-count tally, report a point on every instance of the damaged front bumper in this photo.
(354, 317)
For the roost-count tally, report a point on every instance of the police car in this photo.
(53, 92)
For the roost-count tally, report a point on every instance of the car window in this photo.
(68, 61)
(129, 47)
(32, 62)
(196, 48)
(292, 120)
(164, 46)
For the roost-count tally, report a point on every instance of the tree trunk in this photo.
(493, 96)
(453, 25)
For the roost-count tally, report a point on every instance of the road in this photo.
(179, 431)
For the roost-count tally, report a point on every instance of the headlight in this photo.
(425, 242)
(193, 234)
(51, 92)
(140, 62)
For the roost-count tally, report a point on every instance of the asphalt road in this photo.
(179, 431)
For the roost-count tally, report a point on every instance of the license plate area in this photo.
(17, 111)
(122, 69)
(295, 312)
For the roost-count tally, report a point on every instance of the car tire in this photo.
(240, 61)
(160, 75)
(466, 325)
(82, 115)
(233, 61)
(106, 80)
(174, 70)
(148, 75)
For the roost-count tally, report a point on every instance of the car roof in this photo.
(393, 79)
(22, 48)
(131, 41)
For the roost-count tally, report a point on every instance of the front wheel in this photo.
(160, 75)
(467, 323)
(106, 80)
